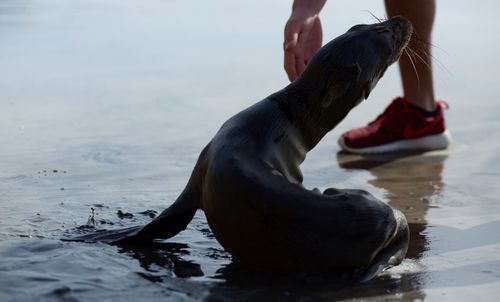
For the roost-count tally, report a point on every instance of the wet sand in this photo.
(107, 104)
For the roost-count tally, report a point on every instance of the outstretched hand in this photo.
(303, 37)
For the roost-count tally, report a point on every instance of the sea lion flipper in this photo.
(169, 223)
(392, 253)
(108, 236)
(176, 217)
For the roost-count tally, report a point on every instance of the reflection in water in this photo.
(412, 182)
(163, 255)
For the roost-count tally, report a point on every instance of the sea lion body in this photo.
(249, 184)
(259, 211)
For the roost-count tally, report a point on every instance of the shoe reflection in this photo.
(411, 181)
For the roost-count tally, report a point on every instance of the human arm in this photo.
(303, 36)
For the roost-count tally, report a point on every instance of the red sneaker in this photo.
(400, 127)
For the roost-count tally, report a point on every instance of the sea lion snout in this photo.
(402, 25)
(402, 31)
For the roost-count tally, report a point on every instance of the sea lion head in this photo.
(350, 66)
(340, 75)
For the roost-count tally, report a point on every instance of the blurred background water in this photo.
(107, 104)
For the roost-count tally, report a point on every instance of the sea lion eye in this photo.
(381, 28)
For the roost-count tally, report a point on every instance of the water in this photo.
(107, 104)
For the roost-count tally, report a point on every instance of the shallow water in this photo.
(107, 104)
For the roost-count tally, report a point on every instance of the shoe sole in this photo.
(426, 143)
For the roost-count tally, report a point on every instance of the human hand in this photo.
(303, 37)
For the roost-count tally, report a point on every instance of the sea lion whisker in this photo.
(417, 39)
(414, 67)
(415, 54)
(411, 51)
(438, 62)
(373, 15)
(422, 47)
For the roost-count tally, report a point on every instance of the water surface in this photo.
(107, 104)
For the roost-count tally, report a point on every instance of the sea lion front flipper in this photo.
(168, 224)
(108, 236)
(176, 217)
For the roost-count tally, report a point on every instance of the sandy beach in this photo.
(107, 104)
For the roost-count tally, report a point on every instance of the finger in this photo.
(290, 66)
(300, 65)
(308, 54)
(291, 45)
(292, 29)
(306, 29)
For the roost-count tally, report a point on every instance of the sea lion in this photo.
(249, 184)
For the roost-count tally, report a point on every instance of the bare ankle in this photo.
(427, 103)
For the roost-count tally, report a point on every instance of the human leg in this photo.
(415, 121)
(418, 86)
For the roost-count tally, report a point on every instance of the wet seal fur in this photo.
(248, 182)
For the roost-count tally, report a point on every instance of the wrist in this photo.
(302, 13)
(307, 7)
